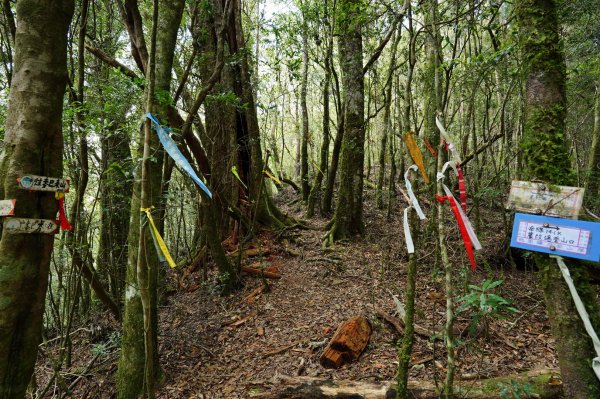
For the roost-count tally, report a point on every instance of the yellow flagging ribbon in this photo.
(272, 177)
(158, 240)
(415, 153)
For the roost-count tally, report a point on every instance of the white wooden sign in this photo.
(7, 207)
(545, 199)
(30, 226)
(43, 183)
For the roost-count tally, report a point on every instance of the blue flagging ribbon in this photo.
(174, 152)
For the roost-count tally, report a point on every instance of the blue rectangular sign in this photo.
(556, 236)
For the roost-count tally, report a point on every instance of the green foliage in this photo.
(515, 390)
(103, 348)
(226, 98)
(163, 97)
(485, 305)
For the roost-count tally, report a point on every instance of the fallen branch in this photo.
(543, 382)
(398, 324)
(261, 273)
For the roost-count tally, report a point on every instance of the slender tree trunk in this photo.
(316, 188)
(304, 107)
(545, 156)
(387, 123)
(405, 348)
(139, 369)
(33, 144)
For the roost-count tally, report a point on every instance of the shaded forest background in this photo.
(295, 114)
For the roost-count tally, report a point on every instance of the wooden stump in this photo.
(348, 342)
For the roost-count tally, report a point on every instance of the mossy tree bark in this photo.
(545, 156)
(139, 368)
(348, 217)
(592, 186)
(33, 144)
(406, 345)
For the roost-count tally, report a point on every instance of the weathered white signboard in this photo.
(7, 207)
(545, 199)
(43, 183)
(30, 226)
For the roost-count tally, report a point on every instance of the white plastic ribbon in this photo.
(411, 194)
(582, 313)
(441, 176)
(444, 134)
(410, 246)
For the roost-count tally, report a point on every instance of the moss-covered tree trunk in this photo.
(33, 144)
(592, 186)
(545, 157)
(138, 364)
(348, 217)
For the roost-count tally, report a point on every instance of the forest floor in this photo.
(232, 346)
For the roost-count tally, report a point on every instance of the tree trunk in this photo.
(592, 187)
(304, 108)
(138, 365)
(348, 219)
(116, 188)
(387, 123)
(545, 156)
(33, 144)
(316, 188)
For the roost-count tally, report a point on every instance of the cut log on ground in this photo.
(545, 383)
(348, 342)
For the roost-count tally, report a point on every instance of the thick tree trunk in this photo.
(348, 219)
(592, 187)
(546, 157)
(33, 144)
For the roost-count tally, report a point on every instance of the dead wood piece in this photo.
(255, 293)
(261, 273)
(237, 321)
(348, 342)
(398, 324)
(281, 350)
(288, 387)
